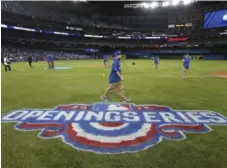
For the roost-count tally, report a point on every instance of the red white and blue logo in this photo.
(113, 128)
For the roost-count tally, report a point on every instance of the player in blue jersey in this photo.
(186, 64)
(115, 79)
(105, 61)
(156, 61)
(50, 61)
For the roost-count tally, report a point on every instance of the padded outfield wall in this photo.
(176, 54)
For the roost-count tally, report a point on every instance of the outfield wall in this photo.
(215, 57)
(175, 54)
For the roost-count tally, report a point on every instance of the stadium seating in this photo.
(125, 32)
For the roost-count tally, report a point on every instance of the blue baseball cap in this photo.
(116, 53)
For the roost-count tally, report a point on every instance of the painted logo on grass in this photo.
(113, 128)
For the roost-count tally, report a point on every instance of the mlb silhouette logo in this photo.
(112, 107)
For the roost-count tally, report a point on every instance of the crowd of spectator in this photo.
(42, 11)
(22, 54)
(39, 15)
(57, 41)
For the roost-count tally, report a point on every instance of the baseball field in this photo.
(37, 88)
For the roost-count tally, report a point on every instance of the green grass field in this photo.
(38, 88)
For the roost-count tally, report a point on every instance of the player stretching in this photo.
(115, 79)
(156, 61)
(186, 64)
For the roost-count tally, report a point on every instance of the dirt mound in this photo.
(219, 74)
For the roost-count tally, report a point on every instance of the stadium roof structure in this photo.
(131, 8)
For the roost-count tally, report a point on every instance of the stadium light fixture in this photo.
(175, 2)
(186, 2)
(154, 4)
(145, 5)
(164, 4)
(79, 0)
